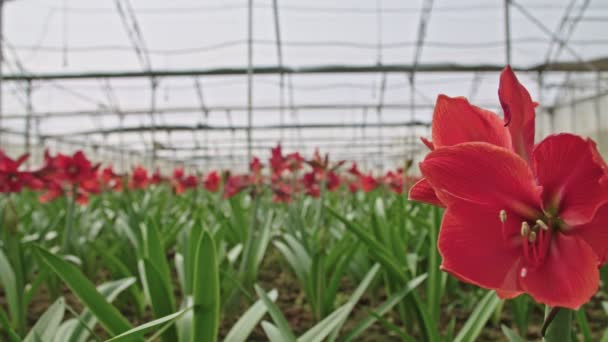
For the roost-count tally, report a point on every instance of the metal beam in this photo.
(249, 77)
(137, 129)
(600, 64)
(224, 108)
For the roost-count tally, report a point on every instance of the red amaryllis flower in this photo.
(277, 161)
(74, 169)
(394, 181)
(332, 182)
(368, 182)
(521, 218)
(353, 187)
(139, 178)
(157, 177)
(235, 184)
(13, 180)
(311, 187)
(178, 173)
(255, 168)
(212, 181)
(53, 190)
(354, 170)
(179, 180)
(190, 182)
(110, 179)
(294, 161)
(75, 172)
(281, 193)
(456, 121)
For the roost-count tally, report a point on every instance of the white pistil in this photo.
(523, 272)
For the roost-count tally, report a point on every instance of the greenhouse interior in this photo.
(317, 170)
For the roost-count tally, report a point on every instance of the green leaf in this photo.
(155, 252)
(9, 282)
(583, 324)
(249, 320)
(605, 336)
(329, 324)
(139, 331)
(385, 307)
(511, 335)
(114, 322)
(478, 318)
(12, 334)
(161, 298)
(273, 333)
(354, 299)
(46, 326)
(277, 316)
(206, 292)
(79, 332)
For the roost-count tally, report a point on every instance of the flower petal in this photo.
(427, 143)
(566, 168)
(568, 277)
(595, 233)
(456, 121)
(484, 174)
(472, 246)
(423, 192)
(519, 114)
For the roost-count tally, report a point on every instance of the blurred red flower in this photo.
(212, 181)
(139, 178)
(367, 182)
(235, 184)
(110, 179)
(11, 179)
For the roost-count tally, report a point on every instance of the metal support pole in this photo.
(412, 113)
(277, 31)
(507, 31)
(249, 79)
(572, 93)
(1, 60)
(28, 118)
(598, 112)
(540, 133)
(154, 86)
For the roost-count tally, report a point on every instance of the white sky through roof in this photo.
(69, 36)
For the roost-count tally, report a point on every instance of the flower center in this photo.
(13, 178)
(536, 240)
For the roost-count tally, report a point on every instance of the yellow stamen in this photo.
(503, 216)
(542, 224)
(532, 236)
(525, 229)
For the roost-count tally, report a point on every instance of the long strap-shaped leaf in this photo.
(114, 322)
(79, 329)
(47, 324)
(206, 292)
(249, 320)
(478, 318)
(138, 332)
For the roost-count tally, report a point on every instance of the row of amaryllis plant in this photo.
(286, 175)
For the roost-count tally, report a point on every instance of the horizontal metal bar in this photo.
(600, 64)
(219, 108)
(167, 128)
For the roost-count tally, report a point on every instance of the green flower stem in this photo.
(67, 233)
(560, 328)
